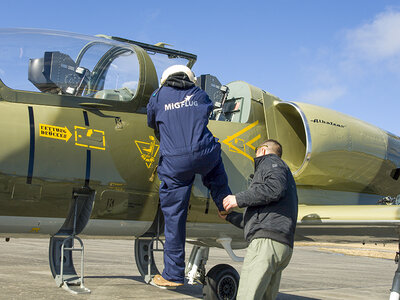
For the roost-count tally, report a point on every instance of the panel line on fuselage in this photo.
(88, 153)
(88, 165)
(32, 145)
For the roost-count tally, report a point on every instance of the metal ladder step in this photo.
(151, 250)
(72, 284)
(62, 245)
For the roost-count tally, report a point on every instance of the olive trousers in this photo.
(262, 269)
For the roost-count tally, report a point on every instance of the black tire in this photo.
(221, 283)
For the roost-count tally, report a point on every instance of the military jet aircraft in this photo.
(77, 156)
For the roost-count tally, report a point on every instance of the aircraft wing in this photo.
(348, 222)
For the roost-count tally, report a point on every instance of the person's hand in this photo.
(229, 202)
(223, 217)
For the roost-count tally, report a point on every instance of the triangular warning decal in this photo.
(148, 150)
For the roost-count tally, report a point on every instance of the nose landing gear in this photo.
(221, 282)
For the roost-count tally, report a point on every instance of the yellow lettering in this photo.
(54, 132)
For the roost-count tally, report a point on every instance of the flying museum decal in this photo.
(84, 137)
(148, 150)
(234, 141)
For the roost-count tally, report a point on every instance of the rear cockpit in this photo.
(236, 101)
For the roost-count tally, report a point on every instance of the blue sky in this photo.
(344, 55)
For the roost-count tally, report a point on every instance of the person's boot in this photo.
(162, 283)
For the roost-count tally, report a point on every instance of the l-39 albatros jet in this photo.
(77, 156)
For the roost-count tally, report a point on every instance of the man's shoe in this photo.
(162, 283)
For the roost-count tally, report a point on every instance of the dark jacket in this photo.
(179, 111)
(270, 201)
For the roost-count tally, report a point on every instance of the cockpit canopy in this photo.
(97, 67)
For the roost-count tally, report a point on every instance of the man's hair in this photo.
(277, 149)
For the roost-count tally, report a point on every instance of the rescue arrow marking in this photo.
(233, 148)
(148, 151)
(54, 132)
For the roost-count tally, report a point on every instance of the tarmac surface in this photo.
(111, 273)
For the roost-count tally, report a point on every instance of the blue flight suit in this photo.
(187, 147)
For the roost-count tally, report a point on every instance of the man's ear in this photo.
(264, 150)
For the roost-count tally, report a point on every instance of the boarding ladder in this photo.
(63, 244)
(145, 247)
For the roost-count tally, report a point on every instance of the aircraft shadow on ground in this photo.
(196, 290)
(136, 278)
(283, 296)
(190, 290)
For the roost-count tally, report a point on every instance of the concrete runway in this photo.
(110, 273)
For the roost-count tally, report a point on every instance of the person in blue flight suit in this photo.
(178, 111)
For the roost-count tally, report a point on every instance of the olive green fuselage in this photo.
(51, 150)
(57, 140)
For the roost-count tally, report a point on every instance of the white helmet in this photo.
(178, 69)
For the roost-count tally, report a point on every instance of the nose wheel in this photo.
(221, 283)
